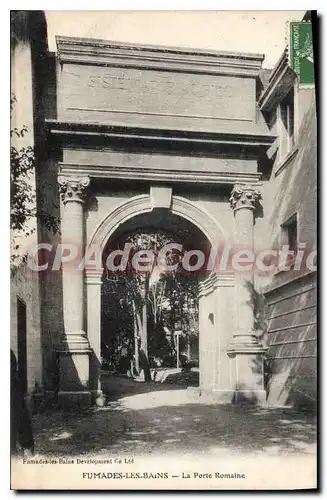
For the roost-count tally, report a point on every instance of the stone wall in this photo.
(25, 283)
(36, 100)
(112, 162)
(25, 286)
(291, 296)
(292, 339)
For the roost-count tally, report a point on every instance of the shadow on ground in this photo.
(154, 418)
(114, 387)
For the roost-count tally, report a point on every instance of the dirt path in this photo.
(158, 418)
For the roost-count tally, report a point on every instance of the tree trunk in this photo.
(144, 333)
(143, 352)
(177, 350)
(136, 341)
(189, 347)
(144, 355)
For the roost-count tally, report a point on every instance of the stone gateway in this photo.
(135, 135)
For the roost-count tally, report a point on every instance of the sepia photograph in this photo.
(163, 265)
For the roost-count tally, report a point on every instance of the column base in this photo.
(68, 400)
(248, 372)
(246, 348)
(255, 397)
(74, 341)
(241, 338)
(74, 378)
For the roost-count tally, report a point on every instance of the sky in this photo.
(263, 32)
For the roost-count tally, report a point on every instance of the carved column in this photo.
(245, 347)
(74, 352)
(244, 199)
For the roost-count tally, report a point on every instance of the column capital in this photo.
(73, 188)
(245, 196)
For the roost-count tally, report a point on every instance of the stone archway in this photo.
(230, 352)
(146, 203)
(105, 142)
(158, 198)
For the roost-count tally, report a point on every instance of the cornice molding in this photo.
(156, 174)
(95, 129)
(280, 82)
(286, 161)
(216, 280)
(102, 52)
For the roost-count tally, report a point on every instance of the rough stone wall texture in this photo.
(291, 356)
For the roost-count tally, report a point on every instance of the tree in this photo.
(153, 296)
(139, 285)
(23, 203)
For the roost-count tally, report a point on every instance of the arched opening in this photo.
(149, 310)
(181, 217)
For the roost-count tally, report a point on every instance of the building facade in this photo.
(292, 194)
(131, 134)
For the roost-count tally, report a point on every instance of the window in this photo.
(289, 236)
(290, 232)
(286, 125)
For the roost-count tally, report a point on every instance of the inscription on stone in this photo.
(169, 87)
(169, 93)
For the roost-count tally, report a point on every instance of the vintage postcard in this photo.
(163, 265)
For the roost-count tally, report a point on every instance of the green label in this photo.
(301, 52)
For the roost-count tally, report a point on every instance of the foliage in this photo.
(22, 191)
(169, 296)
(22, 162)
